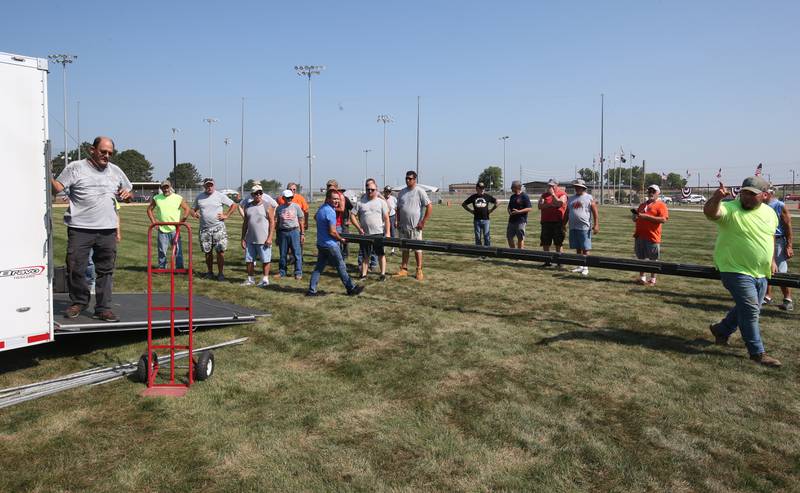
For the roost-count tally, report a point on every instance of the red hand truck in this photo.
(199, 368)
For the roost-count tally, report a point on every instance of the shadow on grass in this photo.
(649, 340)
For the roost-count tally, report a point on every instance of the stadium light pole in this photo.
(308, 71)
(211, 122)
(384, 119)
(226, 140)
(504, 139)
(366, 172)
(175, 155)
(64, 59)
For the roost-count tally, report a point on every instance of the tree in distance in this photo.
(269, 186)
(492, 177)
(134, 164)
(184, 176)
(57, 163)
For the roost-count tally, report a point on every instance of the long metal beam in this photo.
(596, 261)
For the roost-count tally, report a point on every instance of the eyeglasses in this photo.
(104, 153)
(411, 178)
(372, 189)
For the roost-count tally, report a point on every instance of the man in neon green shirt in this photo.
(166, 208)
(743, 255)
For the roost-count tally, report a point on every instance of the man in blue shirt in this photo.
(328, 251)
(783, 248)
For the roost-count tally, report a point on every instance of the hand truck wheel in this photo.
(204, 366)
(141, 367)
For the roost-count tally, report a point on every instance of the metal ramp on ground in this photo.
(131, 308)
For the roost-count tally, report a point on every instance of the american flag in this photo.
(719, 174)
(759, 168)
(688, 175)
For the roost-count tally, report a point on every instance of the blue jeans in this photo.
(748, 293)
(165, 242)
(90, 274)
(482, 231)
(286, 239)
(330, 255)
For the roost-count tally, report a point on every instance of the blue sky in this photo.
(688, 85)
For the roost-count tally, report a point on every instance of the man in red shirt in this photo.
(649, 217)
(553, 205)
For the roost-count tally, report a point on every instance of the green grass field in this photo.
(489, 375)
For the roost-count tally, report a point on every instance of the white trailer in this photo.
(26, 294)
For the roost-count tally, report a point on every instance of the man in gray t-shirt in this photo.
(258, 230)
(410, 202)
(583, 221)
(371, 217)
(208, 207)
(91, 220)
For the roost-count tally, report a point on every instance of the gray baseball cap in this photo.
(579, 183)
(755, 184)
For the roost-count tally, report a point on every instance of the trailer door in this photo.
(25, 266)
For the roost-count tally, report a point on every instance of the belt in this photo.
(290, 229)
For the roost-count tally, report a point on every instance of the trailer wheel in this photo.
(204, 366)
(141, 367)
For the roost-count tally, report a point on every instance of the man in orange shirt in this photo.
(649, 217)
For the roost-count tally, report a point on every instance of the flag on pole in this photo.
(663, 177)
(759, 169)
(688, 175)
(719, 174)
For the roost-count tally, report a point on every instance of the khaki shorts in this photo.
(410, 234)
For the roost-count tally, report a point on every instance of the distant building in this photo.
(461, 187)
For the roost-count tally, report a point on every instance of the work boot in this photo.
(73, 311)
(106, 316)
(719, 340)
(763, 359)
(403, 272)
(420, 275)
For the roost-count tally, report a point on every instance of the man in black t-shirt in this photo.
(519, 205)
(480, 211)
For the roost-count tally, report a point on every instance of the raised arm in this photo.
(711, 208)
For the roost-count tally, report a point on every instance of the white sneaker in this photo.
(585, 271)
(248, 282)
(577, 269)
(263, 284)
(91, 289)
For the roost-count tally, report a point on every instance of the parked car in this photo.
(791, 196)
(666, 199)
(694, 199)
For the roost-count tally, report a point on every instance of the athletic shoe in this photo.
(652, 281)
(221, 278)
(763, 359)
(209, 275)
(362, 278)
(356, 290)
(106, 316)
(248, 282)
(401, 273)
(73, 311)
(787, 305)
(263, 284)
(767, 300)
(719, 340)
(547, 265)
(640, 280)
(577, 269)
(382, 278)
(585, 271)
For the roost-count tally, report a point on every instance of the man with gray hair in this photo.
(94, 184)
(519, 205)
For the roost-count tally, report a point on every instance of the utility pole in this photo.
(504, 139)
(417, 140)
(175, 156)
(308, 71)
(210, 122)
(226, 140)
(64, 59)
(385, 119)
(602, 157)
(366, 173)
(79, 130)
(241, 157)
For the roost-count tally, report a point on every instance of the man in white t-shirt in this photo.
(411, 201)
(371, 216)
(208, 207)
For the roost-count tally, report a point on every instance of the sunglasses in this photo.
(411, 177)
(258, 193)
(372, 189)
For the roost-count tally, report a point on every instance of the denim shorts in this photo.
(258, 251)
(780, 254)
(580, 239)
(516, 230)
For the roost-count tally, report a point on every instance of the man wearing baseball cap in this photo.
(583, 220)
(649, 217)
(291, 233)
(208, 207)
(552, 206)
(166, 207)
(743, 254)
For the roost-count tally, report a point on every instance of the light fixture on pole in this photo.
(308, 71)
(226, 140)
(384, 119)
(211, 122)
(504, 139)
(64, 59)
(175, 156)
(366, 173)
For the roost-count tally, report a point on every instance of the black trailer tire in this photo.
(204, 366)
(141, 367)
